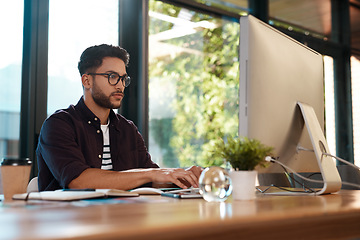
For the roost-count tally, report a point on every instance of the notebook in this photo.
(70, 195)
(152, 191)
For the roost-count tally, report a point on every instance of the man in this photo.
(89, 146)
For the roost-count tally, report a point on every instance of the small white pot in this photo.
(243, 183)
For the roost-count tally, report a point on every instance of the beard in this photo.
(102, 100)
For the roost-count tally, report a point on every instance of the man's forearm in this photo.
(98, 178)
(125, 180)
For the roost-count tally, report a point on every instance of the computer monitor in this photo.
(277, 72)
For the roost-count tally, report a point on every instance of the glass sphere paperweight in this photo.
(215, 184)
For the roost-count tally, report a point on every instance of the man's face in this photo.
(104, 94)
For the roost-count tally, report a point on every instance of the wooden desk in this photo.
(333, 216)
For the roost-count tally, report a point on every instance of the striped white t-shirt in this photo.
(106, 157)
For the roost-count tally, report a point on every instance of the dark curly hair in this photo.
(92, 57)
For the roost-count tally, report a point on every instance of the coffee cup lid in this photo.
(16, 162)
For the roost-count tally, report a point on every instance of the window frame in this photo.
(135, 106)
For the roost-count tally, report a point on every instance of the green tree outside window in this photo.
(198, 75)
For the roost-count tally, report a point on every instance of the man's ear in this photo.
(86, 81)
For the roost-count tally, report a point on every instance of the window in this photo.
(73, 27)
(11, 13)
(355, 82)
(329, 104)
(193, 84)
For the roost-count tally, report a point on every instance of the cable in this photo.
(342, 160)
(351, 184)
(300, 148)
(348, 163)
(270, 159)
(293, 180)
(305, 190)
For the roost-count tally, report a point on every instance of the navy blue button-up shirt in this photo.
(71, 141)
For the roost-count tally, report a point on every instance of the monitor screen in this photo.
(276, 72)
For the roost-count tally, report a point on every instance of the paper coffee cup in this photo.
(15, 175)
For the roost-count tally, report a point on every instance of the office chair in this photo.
(33, 185)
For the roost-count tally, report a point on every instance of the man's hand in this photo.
(183, 178)
(196, 170)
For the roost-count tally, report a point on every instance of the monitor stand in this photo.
(327, 166)
(328, 170)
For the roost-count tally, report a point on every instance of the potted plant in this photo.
(244, 155)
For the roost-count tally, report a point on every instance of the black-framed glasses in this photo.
(114, 78)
